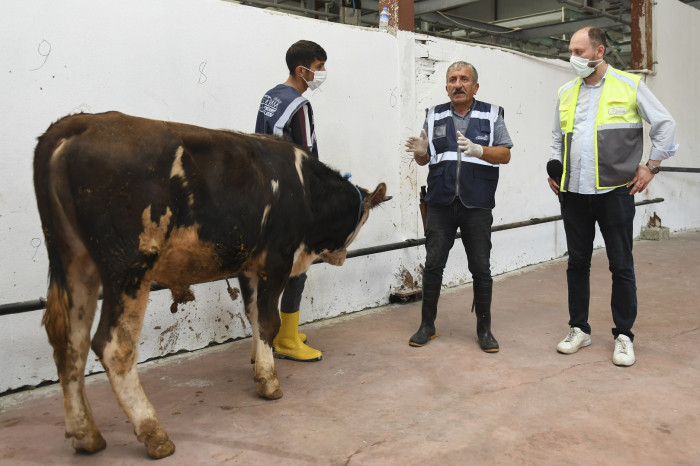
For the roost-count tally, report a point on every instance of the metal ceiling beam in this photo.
(532, 20)
(568, 27)
(536, 32)
(370, 5)
(458, 21)
(592, 10)
(431, 6)
(419, 8)
(281, 6)
(524, 31)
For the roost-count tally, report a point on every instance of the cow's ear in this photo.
(378, 196)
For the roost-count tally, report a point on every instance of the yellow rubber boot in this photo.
(302, 336)
(288, 345)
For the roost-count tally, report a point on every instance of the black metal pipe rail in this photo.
(38, 304)
(680, 169)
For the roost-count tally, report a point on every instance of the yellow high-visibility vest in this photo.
(618, 138)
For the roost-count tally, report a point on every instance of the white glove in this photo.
(419, 146)
(469, 148)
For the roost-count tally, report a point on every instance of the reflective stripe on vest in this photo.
(276, 110)
(618, 137)
(439, 113)
(283, 119)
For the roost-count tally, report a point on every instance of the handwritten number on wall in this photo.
(392, 97)
(202, 76)
(44, 50)
(35, 242)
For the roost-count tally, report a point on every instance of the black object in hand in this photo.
(555, 169)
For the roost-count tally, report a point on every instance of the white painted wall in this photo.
(208, 62)
(676, 31)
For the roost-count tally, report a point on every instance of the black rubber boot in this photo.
(482, 304)
(426, 332)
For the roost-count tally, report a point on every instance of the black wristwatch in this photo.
(654, 169)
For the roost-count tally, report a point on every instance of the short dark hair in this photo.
(597, 37)
(303, 53)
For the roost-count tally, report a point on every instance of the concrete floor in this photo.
(373, 400)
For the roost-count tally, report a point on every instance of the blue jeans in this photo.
(614, 212)
(475, 226)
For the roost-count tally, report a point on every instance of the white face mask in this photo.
(319, 78)
(580, 66)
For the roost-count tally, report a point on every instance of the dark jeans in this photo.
(614, 212)
(291, 296)
(475, 226)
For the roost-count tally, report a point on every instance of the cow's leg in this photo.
(249, 293)
(267, 384)
(116, 343)
(68, 321)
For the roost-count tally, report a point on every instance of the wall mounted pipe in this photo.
(38, 304)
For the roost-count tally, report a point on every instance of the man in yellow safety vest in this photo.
(596, 167)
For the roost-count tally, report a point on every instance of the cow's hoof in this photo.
(156, 440)
(270, 395)
(158, 444)
(88, 443)
(160, 450)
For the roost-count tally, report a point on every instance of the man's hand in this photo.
(419, 147)
(469, 148)
(553, 185)
(641, 180)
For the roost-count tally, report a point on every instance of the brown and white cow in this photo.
(127, 201)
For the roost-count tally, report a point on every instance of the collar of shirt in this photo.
(599, 83)
(461, 122)
(455, 114)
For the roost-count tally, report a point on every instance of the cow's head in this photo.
(369, 201)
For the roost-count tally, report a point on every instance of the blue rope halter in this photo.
(347, 176)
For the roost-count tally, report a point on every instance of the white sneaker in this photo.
(574, 341)
(624, 351)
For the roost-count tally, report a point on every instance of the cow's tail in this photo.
(58, 300)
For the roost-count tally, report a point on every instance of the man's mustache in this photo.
(459, 90)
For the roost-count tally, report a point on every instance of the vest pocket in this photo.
(435, 171)
(563, 114)
(441, 184)
(440, 144)
(440, 131)
(478, 185)
(485, 126)
(618, 100)
(484, 135)
(485, 172)
(617, 110)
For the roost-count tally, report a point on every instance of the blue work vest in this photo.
(478, 179)
(276, 110)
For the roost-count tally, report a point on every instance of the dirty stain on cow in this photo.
(153, 234)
